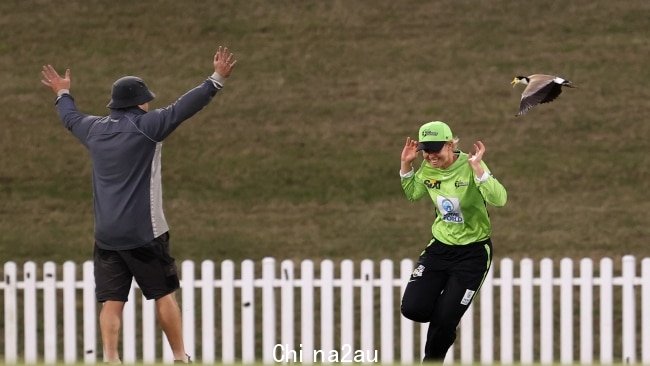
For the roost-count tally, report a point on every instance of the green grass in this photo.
(260, 364)
(298, 156)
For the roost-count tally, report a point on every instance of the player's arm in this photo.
(413, 189)
(78, 123)
(492, 190)
(159, 123)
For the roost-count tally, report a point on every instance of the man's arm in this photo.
(159, 123)
(78, 123)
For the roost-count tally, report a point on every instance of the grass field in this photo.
(261, 364)
(298, 156)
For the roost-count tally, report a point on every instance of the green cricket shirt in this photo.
(460, 200)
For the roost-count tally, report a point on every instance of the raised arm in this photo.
(492, 190)
(159, 123)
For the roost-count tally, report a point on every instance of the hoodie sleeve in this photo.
(159, 123)
(492, 190)
(413, 188)
(76, 122)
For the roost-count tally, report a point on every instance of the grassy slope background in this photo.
(298, 156)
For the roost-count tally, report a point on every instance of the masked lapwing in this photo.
(540, 88)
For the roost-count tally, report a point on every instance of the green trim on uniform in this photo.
(488, 265)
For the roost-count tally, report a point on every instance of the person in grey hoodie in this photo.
(131, 233)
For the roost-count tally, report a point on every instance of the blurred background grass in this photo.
(298, 156)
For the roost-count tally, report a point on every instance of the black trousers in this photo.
(443, 284)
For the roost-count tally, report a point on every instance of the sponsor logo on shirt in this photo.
(450, 210)
(460, 183)
(432, 184)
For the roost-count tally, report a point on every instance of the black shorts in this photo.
(151, 265)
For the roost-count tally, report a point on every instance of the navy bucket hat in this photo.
(129, 91)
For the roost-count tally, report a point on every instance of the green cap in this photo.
(433, 136)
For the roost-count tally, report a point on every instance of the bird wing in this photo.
(535, 83)
(554, 89)
(538, 94)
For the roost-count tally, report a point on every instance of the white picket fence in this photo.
(270, 314)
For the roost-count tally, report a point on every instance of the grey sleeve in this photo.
(76, 122)
(159, 123)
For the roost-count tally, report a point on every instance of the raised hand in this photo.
(409, 153)
(52, 79)
(476, 157)
(224, 62)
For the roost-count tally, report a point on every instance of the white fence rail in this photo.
(335, 312)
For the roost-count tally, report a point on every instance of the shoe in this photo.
(189, 359)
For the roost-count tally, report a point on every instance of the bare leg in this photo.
(110, 321)
(169, 316)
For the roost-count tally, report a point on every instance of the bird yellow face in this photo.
(515, 81)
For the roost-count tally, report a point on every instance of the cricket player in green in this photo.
(451, 269)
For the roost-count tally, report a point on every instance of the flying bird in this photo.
(540, 88)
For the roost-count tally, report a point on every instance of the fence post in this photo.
(188, 308)
(248, 311)
(507, 312)
(207, 312)
(268, 309)
(386, 311)
(645, 311)
(11, 313)
(347, 303)
(367, 307)
(69, 312)
(566, 311)
(287, 306)
(307, 311)
(128, 327)
(546, 312)
(227, 312)
(487, 318)
(148, 331)
(30, 315)
(327, 307)
(586, 311)
(89, 314)
(629, 311)
(49, 313)
(406, 326)
(606, 311)
(526, 314)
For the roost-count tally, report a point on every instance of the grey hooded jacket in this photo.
(125, 148)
